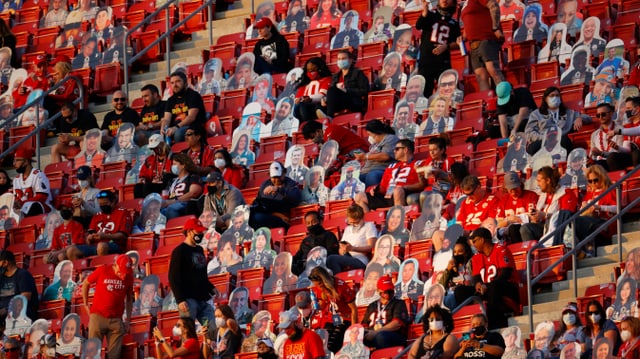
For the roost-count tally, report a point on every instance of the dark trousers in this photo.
(306, 111)
(338, 100)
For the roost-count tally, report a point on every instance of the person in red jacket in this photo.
(233, 174)
(348, 140)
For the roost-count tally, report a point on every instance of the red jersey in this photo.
(472, 214)
(117, 221)
(632, 139)
(193, 346)
(309, 346)
(608, 200)
(346, 138)
(67, 234)
(153, 169)
(315, 89)
(110, 293)
(203, 157)
(487, 267)
(68, 91)
(523, 204)
(347, 295)
(562, 199)
(399, 174)
(477, 21)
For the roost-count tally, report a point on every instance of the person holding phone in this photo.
(189, 347)
(480, 342)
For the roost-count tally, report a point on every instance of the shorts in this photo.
(486, 51)
(378, 201)
(89, 250)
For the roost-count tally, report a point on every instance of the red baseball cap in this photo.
(264, 22)
(40, 59)
(385, 283)
(124, 264)
(194, 224)
(26, 153)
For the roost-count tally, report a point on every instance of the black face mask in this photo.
(66, 214)
(212, 189)
(459, 258)
(297, 335)
(198, 237)
(315, 229)
(479, 331)
(106, 209)
(22, 169)
(629, 113)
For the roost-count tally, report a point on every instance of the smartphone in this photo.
(466, 336)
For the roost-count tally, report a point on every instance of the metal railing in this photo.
(583, 241)
(165, 36)
(45, 124)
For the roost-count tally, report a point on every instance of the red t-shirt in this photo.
(472, 214)
(67, 234)
(234, 175)
(117, 221)
(510, 207)
(346, 138)
(399, 174)
(110, 293)
(193, 346)
(477, 21)
(487, 267)
(309, 346)
(608, 200)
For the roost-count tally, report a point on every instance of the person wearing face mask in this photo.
(482, 343)
(382, 139)
(301, 343)
(222, 198)
(107, 232)
(457, 277)
(552, 112)
(358, 239)
(113, 295)
(317, 235)
(631, 130)
(437, 342)
(32, 193)
(188, 275)
(233, 174)
(276, 197)
(69, 233)
(630, 335)
(226, 340)
(348, 90)
(185, 330)
(155, 172)
(570, 327)
(316, 80)
(185, 189)
(597, 327)
(85, 203)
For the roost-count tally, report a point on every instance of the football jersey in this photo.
(487, 267)
(523, 204)
(116, 221)
(25, 190)
(398, 174)
(472, 214)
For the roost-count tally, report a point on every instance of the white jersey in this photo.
(26, 189)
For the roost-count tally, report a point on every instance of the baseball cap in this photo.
(60, 58)
(264, 22)
(124, 263)
(110, 195)
(154, 141)
(480, 232)
(303, 299)
(385, 283)
(194, 224)
(26, 153)
(503, 91)
(287, 318)
(265, 341)
(40, 59)
(571, 307)
(84, 172)
(511, 180)
(65, 204)
(275, 170)
(213, 176)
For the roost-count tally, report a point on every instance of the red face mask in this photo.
(313, 75)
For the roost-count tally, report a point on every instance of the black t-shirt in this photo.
(179, 105)
(21, 281)
(521, 98)
(395, 309)
(490, 338)
(85, 121)
(152, 114)
(113, 121)
(188, 273)
(436, 29)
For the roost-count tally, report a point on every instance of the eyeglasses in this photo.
(119, 99)
(593, 180)
(10, 350)
(398, 148)
(602, 114)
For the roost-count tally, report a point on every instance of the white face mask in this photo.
(553, 102)
(177, 331)
(436, 324)
(371, 140)
(595, 318)
(219, 163)
(625, 335)
(83, 183)
(569, 319)
(220, 322)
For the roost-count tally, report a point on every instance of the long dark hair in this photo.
(447, 319)
(189, 325)
(544, 108)
(323, 70)
(227, 157)
(588, 328)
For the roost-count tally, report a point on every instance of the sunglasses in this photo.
(119, 99)
(593, 180)
(590, 313)
(602, 114)
(398, 148)
(10, 350)
(188, 134)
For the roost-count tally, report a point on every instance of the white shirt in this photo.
(358, 238)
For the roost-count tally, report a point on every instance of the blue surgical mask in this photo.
(343, 64)
(553, 102)
(175, 170)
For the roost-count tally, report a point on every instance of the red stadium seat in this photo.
(108, 78)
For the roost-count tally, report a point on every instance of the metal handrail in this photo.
(46, 123)
(165, 36)
(583, 242)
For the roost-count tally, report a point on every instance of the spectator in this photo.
(69, 233)
(598, 181)
(438, 163)
(5, 182)
(484, 42)
(155, 172)
(629, 333)
(609, 151)
(189, 347)
(437, 342)
(91, 154)
(634, 74)
(382, 140)
(85, 203)
(183, 110)
(513, 208)
(188, 275)
(313, 86)
(9, 41)
(185, 189)
(16, 281)
(386, 319)
(399, 180)
(358, 239)
(349, 88)
(233, 174)
(72, 126)
(440, 36)
(151, 113)
(597, 327)
(276, 197)
(317, 235)
(552, 112)
(555, 204)
(301, 342)
(222, 198)
(336, 303)
(114, 287)
(457, 277)
(32, 192)
(272, 49)
(349, 142)
(514, 106)
(570, 327)
(483, 343)
(107, 232)
(149, 301)
(478, 205)
(199, 151)
(631, 130)
(120, 115)
(494, 276)
(11, 347)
